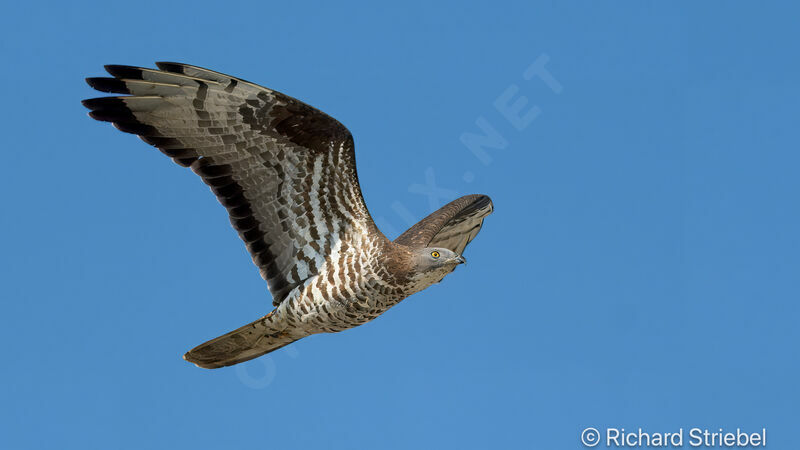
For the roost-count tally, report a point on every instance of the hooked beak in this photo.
(459, 260)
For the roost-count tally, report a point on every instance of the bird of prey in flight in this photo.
(286, 173)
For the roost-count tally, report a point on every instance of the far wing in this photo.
(452, 226)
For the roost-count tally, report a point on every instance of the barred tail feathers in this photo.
(240, 345)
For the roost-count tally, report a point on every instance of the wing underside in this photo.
(284, 170)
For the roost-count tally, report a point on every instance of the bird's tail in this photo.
(240, 345)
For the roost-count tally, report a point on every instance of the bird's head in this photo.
(431, 259)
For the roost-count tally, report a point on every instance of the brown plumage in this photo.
(286, 173)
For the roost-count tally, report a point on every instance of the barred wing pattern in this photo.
(452, 226)
(284, 170)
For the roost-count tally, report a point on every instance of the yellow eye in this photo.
(435, 254)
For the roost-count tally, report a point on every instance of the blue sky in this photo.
(640, 269)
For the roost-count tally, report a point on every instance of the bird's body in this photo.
(286, 174)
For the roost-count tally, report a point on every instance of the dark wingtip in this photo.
(111, 85)
(480, 202)
(170, 66)
(486, 200)
(113, 109)
(135, 127)
(104, 103)
(122, 71)
(103, 116)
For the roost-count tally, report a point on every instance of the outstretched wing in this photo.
(285, 171)
(452, 226)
